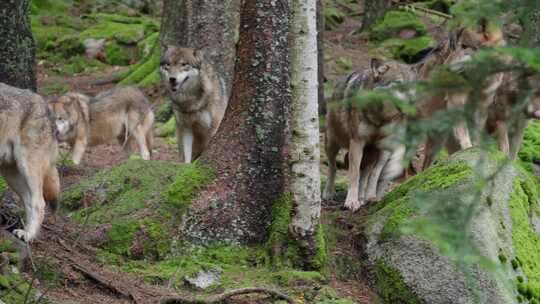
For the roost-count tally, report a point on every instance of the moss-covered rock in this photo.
(401, 35)
(136, 205)
(117, 54)
(394, 22)
(415, 234)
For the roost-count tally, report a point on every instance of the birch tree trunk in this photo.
(304, 146)
(211, 25)
(249, 152)
(320, 48)
(17, 47)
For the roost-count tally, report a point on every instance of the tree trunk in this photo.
(304, 145)
(17, 48)
(249, 151)
(373, 10)
(320, 47)
(211, 25)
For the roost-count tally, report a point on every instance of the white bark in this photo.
(305, 150)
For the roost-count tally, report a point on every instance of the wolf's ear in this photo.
(199, 56)
(378, 68)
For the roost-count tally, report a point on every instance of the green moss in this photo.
(144, 68)
(81, 64)
(150, 80)
(279, 232)
(3, 186)
(503, 258)
(186, 185)
(526, 241)
(113, 30)
(296, 277)
(53, 89)
(391, 287)
(5, 245)
(395, 21)
(408, 50)
(49, 273)
(117, 54)
(321, 257)
(398, 203)
(133, 185)
(281, 246)
(164, 112)
(120, 237)
(142, 201)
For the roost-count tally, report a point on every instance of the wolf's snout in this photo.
(172, 80)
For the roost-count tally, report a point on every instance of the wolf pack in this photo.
(31, 129)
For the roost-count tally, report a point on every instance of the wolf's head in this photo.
(69, 111)
(180, 69)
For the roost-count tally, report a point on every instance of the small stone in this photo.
(204, 279)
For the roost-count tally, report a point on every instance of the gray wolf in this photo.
(354, 128)
(123, 115)
(455, 52)
(28, 151)
(198, 98)
(512, 110)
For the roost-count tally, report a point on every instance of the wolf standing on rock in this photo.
(198, 98)
(28, 151)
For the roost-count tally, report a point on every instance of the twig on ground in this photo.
(427, 11)
(104, 282)
(221, 297)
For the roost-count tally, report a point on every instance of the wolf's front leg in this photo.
(78, 150)
(356, 149)
(187, 144)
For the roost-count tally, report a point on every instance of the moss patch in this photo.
(395, 21)
(139, 203)
(13, 286)
(145, 67)
(397, 204)
(3, 186)
(391, 287)
(523, 205)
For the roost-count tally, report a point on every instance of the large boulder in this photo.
(415, 241)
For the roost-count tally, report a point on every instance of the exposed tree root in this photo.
(221, 297)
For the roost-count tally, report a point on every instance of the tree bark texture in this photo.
(304, 144)
(249, 152)
(211, 25)
(320, 47)
(373, 10)
(17, 47)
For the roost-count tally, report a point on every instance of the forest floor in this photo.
(86, 279)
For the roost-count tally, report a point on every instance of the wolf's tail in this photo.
(51, 188)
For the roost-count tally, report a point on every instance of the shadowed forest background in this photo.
(467, 230)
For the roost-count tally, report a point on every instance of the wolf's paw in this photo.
(23, 235)
(353, 205)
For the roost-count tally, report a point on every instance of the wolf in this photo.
(454, 52)
(28, 152)
(356, 129)
(122, 114)
(513, 109)
(198, 96)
